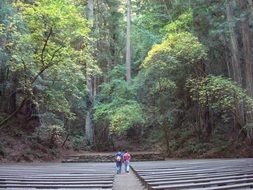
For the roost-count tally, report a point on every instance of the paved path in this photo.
(127, 181)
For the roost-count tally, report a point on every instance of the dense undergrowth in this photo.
(24, 146)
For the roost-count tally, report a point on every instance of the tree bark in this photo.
(89, 131)
(128, 43)
(247, 58)
(237, 71)
(64, 142)
(247, 47)
(3, 81)
(12, 100)
(203, 113)
(227, 60)
(13, 113)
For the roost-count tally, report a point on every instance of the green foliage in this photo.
(57, 102)
(150, 17)
(51, 133)
(183, 47)
(1, 29)
(184, 23)
(54, 130)
(47, 46)
(166, 67)
(45, 37)
(109, 33)
(220, 93)
(45, 52)
(196, 148)
(151, 21)
(117, 104)
(6, 11)
(121, 114)
(163, 76)
(126, 117)
(77, 142)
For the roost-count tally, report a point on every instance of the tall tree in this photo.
(236, 65)
(247, 55)
(7, 80)
(89, 131)
(128, 42)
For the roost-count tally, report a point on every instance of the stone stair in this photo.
(109, 157)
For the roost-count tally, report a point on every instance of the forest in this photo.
(174, 76)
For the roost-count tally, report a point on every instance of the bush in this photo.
(198, 148)
(52, 133)
(77, 142)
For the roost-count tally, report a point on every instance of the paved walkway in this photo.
(127, 181)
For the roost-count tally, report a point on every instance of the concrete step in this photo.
(57, 176)
(216, 174)
(109, 157)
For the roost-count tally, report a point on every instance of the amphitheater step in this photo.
(109, 157)
(214, 174)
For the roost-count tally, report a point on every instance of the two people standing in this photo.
(121, 158)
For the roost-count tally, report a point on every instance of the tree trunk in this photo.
(13, 96)
(203, 113)
(3, 81)
(237, 72)
(247, 47)
(113, 22)
(128, 42)
(247, 58)
(166, 138)
(4, 121)
(89, 131)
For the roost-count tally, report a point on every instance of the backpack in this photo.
(118, 158)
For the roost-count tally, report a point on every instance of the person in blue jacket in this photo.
(118, 161)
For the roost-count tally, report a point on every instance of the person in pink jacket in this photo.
(127, 158)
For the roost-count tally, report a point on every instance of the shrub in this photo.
(77, 142)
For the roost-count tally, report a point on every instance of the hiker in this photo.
(127, 158)
(118, 160)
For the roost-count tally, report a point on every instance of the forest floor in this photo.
(20, 146)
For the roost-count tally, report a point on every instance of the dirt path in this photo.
(127, 181)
